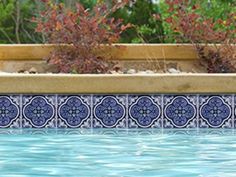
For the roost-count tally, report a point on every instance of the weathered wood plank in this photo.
(120, 51)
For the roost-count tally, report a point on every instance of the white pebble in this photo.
(173, 71)
(131, 71)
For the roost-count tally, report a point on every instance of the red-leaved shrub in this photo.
(205, 34)
(79, 34)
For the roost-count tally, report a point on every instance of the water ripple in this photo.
(118, 153)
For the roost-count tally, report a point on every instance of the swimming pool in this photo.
(118, 153)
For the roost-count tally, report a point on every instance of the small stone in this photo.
(142, 72)
(26, 72)
(33, 70)
(131, 71)
(114, 72)
(149, 72)
(173, 71)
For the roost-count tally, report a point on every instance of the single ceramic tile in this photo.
(109, 111)
(10, 112)
(144, 111)
(180, 111)
(215, 111)
(74, 111)
(39, 111)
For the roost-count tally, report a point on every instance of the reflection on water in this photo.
(119, 131)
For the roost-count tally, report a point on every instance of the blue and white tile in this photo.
(109, 111)
(180, 111)
(74, 111)
(144, 111)
(39, 111)
(10, 112)
(215, 111)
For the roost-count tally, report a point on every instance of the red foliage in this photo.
(85, 30)
(195, 28)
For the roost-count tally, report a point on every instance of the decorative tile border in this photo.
(128, 111)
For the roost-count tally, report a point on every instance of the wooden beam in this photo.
(25, 51)
(156, 51)
(120, 51)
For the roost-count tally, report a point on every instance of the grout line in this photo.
(198, 112)
(233, 114)
(21, 111)
(233, 111)
(56, 111)
(162, 113)
(91, 112)
(127, 111)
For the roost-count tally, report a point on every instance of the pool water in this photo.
(113, 153)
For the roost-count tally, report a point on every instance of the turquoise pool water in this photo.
(110, 153)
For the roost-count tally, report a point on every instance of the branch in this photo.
(6, 35)
(17, 22)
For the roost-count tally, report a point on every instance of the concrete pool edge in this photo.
(117, 84)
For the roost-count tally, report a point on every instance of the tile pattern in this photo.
(215, 111)
(74, 111)
(38, 111)
(180, 111)
(128, 111)
(144, 111)
(10, 111)
(109, 111)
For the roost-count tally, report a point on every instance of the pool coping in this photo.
(117, 84)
